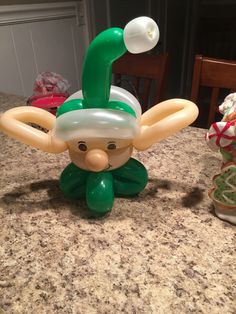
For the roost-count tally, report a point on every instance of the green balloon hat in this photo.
(102, 111)
(139, 35)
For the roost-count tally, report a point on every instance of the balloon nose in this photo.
(96, 160)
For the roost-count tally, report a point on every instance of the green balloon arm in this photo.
(96, 78)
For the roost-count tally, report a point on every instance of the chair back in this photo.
(142, 71)
(216, 74)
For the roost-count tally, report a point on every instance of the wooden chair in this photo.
(142, 71)
(214, 73)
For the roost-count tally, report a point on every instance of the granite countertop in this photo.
(162, 252)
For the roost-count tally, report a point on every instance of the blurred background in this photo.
(41, 36)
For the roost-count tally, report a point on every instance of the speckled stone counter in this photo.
(161, 252)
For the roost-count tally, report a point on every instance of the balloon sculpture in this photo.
(222, 136)
(101, 124)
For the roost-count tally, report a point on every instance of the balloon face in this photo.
(100, 154)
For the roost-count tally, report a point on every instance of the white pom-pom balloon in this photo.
(141, 34)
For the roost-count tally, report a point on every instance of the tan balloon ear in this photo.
(163, 120)
(14, 123)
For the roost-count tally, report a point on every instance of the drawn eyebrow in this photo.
(111, 142)
(81, 142)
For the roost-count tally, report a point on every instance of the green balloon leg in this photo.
(100, 192)
(99, 188)
(73, 182)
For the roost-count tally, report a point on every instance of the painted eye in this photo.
(111, 146)
(82, 147)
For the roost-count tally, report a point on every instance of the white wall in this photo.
(41, 38)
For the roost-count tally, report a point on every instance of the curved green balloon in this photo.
(96, 78)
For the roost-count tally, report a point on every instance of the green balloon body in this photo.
(100, 188)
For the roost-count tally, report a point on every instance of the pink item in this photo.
(49, 83)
